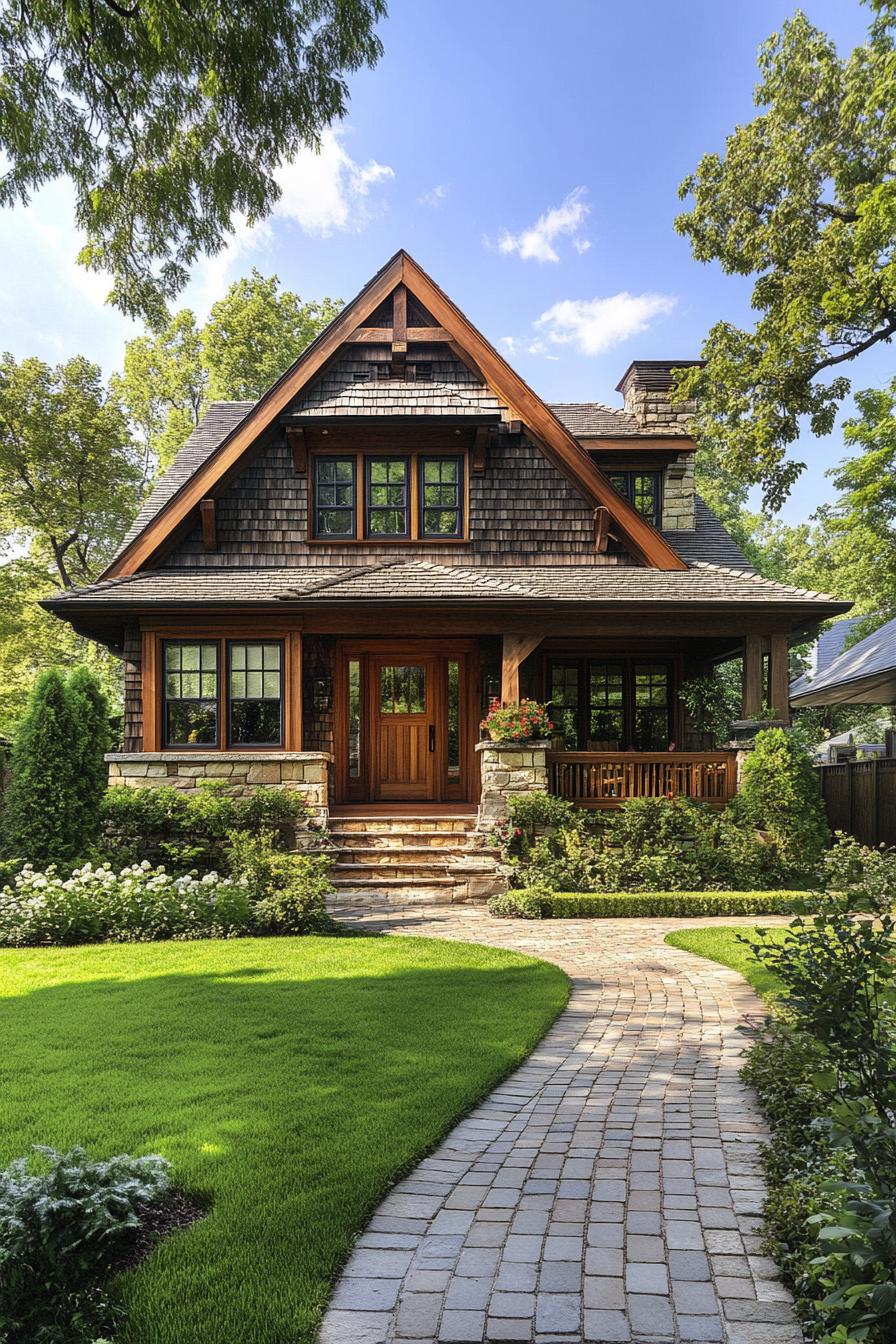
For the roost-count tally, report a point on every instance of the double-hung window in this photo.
(642, 490)
(611, 705)
(441, 500)
(203, 708)
(334, 497)
(375, 497)
(387, 503)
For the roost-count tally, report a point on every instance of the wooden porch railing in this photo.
(609, 778)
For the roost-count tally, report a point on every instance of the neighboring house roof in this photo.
(421, 581)
(863, 675)
(402, 274)
(828, 646)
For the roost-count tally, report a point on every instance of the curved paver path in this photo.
(609, 1190)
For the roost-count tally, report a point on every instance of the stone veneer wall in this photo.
(303, 771)
(679, 495)
(508, 768)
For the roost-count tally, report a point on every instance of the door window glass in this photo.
(354, 719)
(453, 720)
(651, 717)
(606, 705)
(565, 702)
(402, 690)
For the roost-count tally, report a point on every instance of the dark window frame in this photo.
(167, 744)
(229, 698)
(460, 486)
(627, 490)
(630, 667)
(318, 508)
(370, 459)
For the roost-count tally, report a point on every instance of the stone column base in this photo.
(509, 768)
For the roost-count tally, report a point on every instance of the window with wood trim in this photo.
(611, 704)
(642, 489)
(406, 497)
(255, 693)
(190, 693)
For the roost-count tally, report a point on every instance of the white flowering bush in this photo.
(138, 904)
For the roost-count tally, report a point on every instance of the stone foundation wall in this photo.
(303, 771)
(508, 768)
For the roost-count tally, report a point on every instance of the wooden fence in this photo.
(860, 798)
(607, 778)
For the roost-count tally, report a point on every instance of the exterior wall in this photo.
(303, 771)
(508, 768)
(679, 495)
(647, 397)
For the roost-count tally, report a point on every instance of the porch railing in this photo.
(609, 778)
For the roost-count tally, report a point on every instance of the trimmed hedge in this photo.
(532, 903)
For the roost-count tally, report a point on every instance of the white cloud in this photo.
(564, 220)
(596, 325)
(434, 197)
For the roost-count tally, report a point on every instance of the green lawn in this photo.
(290, 1080)
(723, 945)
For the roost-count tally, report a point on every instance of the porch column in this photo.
(516, 649)
(293, 691)
(779, 677)
(751, 704)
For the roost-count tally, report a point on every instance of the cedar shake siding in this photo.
(522, 512)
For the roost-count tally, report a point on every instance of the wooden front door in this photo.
(405, 721)
(405, 709)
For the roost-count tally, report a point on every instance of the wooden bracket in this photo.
(480, 450)
(298, 445)
(601, 529)
(515, 650)
(399, 331)
(209, 524)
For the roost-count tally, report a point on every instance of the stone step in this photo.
(406, 872)
(378, 823)
(418, 856)
(434, 840)
(398, 896)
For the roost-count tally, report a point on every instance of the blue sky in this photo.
(528, 156)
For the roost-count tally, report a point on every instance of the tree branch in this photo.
(884, 334)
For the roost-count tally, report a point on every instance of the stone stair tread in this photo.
(430, 881)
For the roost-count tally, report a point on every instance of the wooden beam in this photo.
(751, 703)
(515, 650)
(480, 450)
(601, 529)
(298, 446)
(399, 330)
(209, 525)
(383, 336)
(779, 677)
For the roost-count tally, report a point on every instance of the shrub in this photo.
(648, 844)
(538, 903)
(517, 723)
(288, 891)
(90, 716)
(189, 830)
(41, 814)
(139, 904)
(779, 794)
(63, 1227)
(864, 877)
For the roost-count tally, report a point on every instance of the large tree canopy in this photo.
(804, 199)
(169, 118)
(252, 335)
(70, 480)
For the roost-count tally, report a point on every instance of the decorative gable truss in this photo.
(401, 310)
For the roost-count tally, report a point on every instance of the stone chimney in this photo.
(646, 386)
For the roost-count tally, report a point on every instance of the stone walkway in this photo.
(609, 1190)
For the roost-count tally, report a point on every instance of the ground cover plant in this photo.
(288, 1082)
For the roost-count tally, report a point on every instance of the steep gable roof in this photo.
(542, 425)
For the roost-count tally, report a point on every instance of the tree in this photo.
(69, 477)
(163, 388)
(170, 119)
(41, 807)
(779, 794)
(254, 333)
(803, 199)
(90, 715)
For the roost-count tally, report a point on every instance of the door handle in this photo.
(432, 737)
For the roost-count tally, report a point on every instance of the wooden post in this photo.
(752, 681)
(399, 331)
(779, 677)
(209, 525)
(516, 649)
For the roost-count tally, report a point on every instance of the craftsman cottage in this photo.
(329, 585)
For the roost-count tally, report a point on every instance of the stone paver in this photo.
(609, 1191)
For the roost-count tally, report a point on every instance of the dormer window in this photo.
(642, 490)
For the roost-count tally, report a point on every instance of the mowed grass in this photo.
(724, 946)
(290, 1081)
